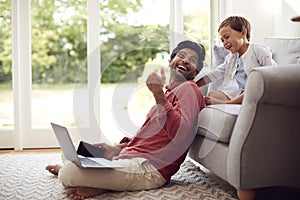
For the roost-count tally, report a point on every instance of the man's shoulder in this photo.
(190, 85)
(192, 90)
(186, 86)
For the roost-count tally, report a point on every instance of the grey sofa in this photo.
(257, 144)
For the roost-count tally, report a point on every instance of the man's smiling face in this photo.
(184, 65)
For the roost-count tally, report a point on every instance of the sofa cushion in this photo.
(284, 50)
(217, 121)
(219, 54)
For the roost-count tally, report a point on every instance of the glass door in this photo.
(6, 90)
(65, 70)
(58, 53)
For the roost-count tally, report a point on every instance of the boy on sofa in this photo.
(243, 57)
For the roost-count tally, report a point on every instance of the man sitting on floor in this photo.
(160, 146)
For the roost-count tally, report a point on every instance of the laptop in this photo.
(70, 153)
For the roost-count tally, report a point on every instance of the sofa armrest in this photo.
(264, 146)
(281, 84)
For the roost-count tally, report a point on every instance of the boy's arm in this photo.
(203, 81)
(216, 74)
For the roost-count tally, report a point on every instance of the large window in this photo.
(59, 51)
(196, 21)
(6, 94)
(83, 64)
(6, 87)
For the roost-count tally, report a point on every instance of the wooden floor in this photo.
(30, 151)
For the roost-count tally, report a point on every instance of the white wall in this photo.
(285, 26)
(269, 18)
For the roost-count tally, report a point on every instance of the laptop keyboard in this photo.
(98, 162)
(88, 162)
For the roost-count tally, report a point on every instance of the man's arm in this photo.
(111, 151)
(181, 115)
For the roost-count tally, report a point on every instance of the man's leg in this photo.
(138, 174)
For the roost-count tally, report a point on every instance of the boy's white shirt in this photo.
(256, 55)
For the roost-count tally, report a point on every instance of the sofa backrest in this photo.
(284, 50)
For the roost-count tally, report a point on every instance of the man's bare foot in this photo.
(83, 192)
(53, 169)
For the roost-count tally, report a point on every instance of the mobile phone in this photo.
(88, 150)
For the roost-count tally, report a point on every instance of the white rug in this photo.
(23, 176)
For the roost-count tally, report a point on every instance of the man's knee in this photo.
(66, 174)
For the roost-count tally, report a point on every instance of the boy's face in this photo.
(234, 41)
(184, 65)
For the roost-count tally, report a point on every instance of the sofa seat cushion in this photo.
(217, 121)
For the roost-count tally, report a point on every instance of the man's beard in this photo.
(178, 77)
